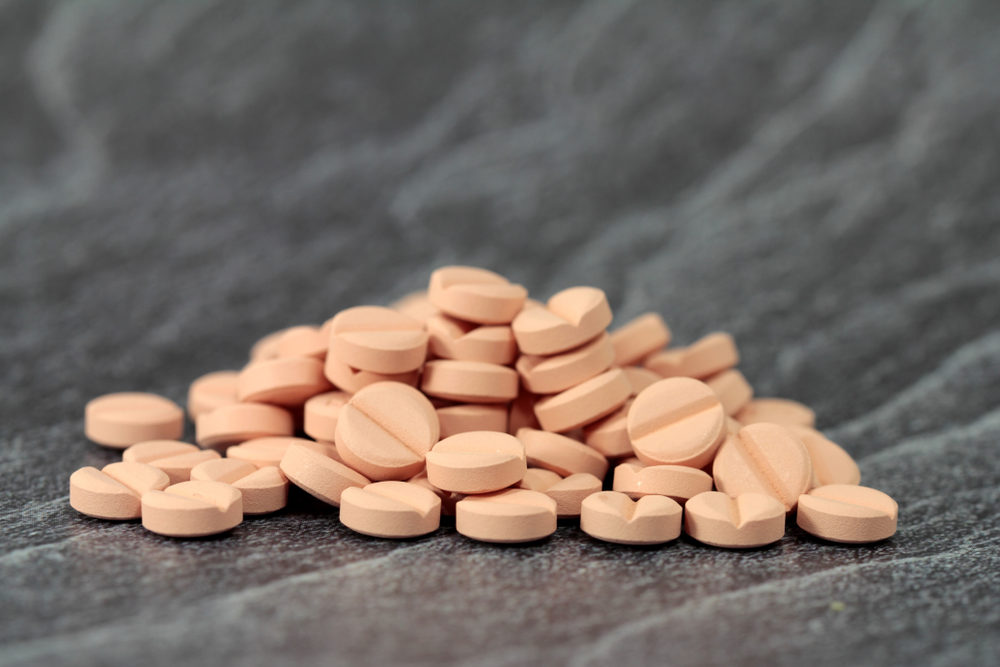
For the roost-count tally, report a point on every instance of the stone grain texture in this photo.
(821, 179)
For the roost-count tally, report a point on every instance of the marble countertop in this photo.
(178, 179)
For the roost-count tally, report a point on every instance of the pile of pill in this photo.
(472, 400)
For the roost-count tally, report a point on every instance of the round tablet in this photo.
(268, 451)
(776, 411)
(390, 509)
(732, 388)
(763, 458)
(264, 490)
(353, 380)
(377, 339)
(847, 513)
(639, 338)
(609, 435)
(236, 423)
(568, 492)
(212, 391)
(114, 492)
(302, 341)
(668, 363)
(153, 450)
(319, 475)
(287, 381)
(676, 482)
(385, 431)
(746, 521)
(416, 305)
(639, 378)
(448, 499)
(120, 420)
(677, 421)
(469, 381)
(614, 517)
(466, 341)
(192, 509)
(476, 462)
(466, 417)
(830, 463)
(321, 412)
(552, 374)
(570, 318)
(585, 403)
(475, 295)
(561, 454)
(178, 466)
(508, 516)
(709, 355)
(266, 347)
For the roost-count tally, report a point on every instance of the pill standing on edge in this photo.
(742, 522)
(830, 463)
(848, 513)
(377, 339)
(568, 492)
(552, 374)
(570, 318)
(561, 454)
(508, 516)
(114, 492)
(476, 462)
(776, 411)
(585, 403)
(676, 482)
(319, 475)
(475, 295)
(614, 517)
(391, 509)
(212, 391)
(232, 424)
(192, 509)
(264, 490)
(123, 419)
(676, 421)
(639, 338)
(763, 458)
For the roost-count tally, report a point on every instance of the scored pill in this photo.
(764, 458)
(264, 490)
(318, 474)
(377, 339)
(192, 509)
(677, 482)
(848, 513)
(476, 462)
(614, 517)
(508, 516)
(639, 338)
(390, 509)
(123, 419)
(552, 374)
(568, 492)
(746, 521)
(569, 319)
(676, 421)
(585, 403)
(115, 491)
(475, 295)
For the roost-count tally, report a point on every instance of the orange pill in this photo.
(508, 516)
(677, 421)
(264, 490)
(677, 482)
(212, 391)
(353, 380)
(286, 381)
(561, 454)
(123, 419)
(570, 318)
(475, 295)
(776, 411)
(319, 475)
(640, 378)
(763, 458)
(114, 492)
(609, 435)
(416, 305)
(614, 517)
(667, 363)
(469, 381)
(569, 492)
(302, 341)
(173, 457)
(379, 340)
(585, 403)
(385, 431)
(746, 521)
(320, 414)
(709, 355)
(552, 374)
(448, 499)
(830, 463)
(268, 451)
(232, 424)
(522, 412)
(393, 509)
(192, 509)
(466, 417)
(466, 341)
(639, 338)
(476, 462)
(732, 388)
(848, 513)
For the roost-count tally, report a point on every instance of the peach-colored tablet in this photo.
(746, 521)
(732, 388)
(522, 412)
(264, 490)
(320, 414)
(268, 451)
(302, 341)
(476, 462)
(776, 411)
(561, 454)
(465, 341)
(152, 450)
(508, 516)
(639, 338)
(469, 381)
(668, 363)
(393, 509)
(416, 305)
(763, 458)
(585, 403)
(319, 475)
(569, 493)
(609, 435)
(466, 417)
(847, 513)
(176, 464)
(385, 431)
(709, 355)
(570, 318)
(267, 347)
(475, 295)
(120, 420)
(614, 517)
(376, 339)
(677, 421)
(677, 482)
(212, 391)
(640, 377)
(236, 423)
(448, 499)
(732, 426)
(353, 380)
(114, 492)
(192, 509)
(552, 374)
(830, 463)
(286, 381)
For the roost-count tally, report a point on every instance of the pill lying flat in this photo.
(467, 341)
(390, 509)
(192, 509)
(677, 421)
(508, 516)
(776, 411)
(264, 490)
(763, 458)
(614, 517)
(379, 340)
(123, 419)
(212, 391)
(115, 491)
(239, 422)
(476, 462)
(570, 318)
(466, 417)
(561, 454)
(585, 403)
(385, 431)
(302, 341)
(676, 482)
(830, 463)
(268, 451)
(552, 374)
(152, 450)
(569, 492)
(286, 381)
(320, 414)
(319, 475)
(639, 338)
(848, 513)
(469, 381)
(746, 521)
(353, 380)
(732, 388)
(416, 305)
(475, 295)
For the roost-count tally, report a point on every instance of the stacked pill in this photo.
(471, 400)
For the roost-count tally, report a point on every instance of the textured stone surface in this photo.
(178, 179)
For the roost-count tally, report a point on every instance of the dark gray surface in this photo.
(820, 179)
